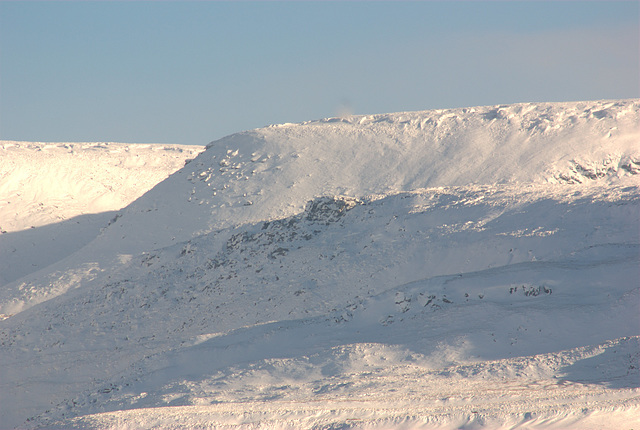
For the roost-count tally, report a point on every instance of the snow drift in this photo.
(467, 267)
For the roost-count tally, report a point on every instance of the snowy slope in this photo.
(462, 268)
(272, 172)
(55, 197)
(347, 301)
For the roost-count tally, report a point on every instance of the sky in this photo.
(193, 72)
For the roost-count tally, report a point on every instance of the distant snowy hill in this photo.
(45, 183)
(458, 268)
(68, 191)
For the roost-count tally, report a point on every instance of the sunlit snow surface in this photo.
(461, 268)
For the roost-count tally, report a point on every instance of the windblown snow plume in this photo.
(460, 268)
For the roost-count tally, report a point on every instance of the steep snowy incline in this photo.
(55, 197)
(272, 172)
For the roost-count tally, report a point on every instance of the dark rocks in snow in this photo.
(329, 209)
(531, 291)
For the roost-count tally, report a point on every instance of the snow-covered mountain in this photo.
(272, 172)
(455, 268)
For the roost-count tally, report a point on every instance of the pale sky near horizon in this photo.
(193, 72)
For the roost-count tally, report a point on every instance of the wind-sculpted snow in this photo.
(453, 269)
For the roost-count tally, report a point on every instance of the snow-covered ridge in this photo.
(272, 172)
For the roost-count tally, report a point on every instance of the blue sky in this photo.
(193, 72)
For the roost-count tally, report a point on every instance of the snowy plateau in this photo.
(444, 269)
